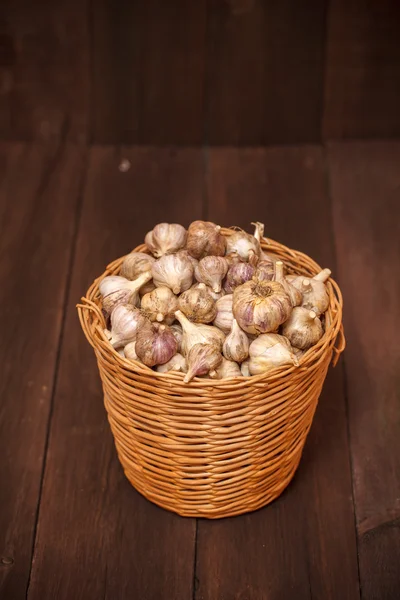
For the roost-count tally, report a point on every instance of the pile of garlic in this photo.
(211, 306)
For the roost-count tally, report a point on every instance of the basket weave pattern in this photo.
(212, 448)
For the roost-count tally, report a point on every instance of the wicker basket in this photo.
(212, 448)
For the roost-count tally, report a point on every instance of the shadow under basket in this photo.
(212, 448)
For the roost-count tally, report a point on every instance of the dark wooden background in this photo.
(243, 72)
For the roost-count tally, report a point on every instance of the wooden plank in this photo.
(44, 70)
(38, 201)
(362, 83)
(264, 71)
(97, 537)
(148, 72)
(379, 561)
(303, 545)
(365, 184)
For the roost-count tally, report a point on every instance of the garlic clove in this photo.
(226, 370)
(178, 333)
(176, 363)
(126, 321)
(130, 351)
(155, 344)
(174, 271)
(270, 351)
(160, 305)
(202, 358)
(295, 295)
(303, 328)
(211, 270)
(197, 333)
(205, 239)
(135, 264)
(238, 274)
(236, 344)
(244, 368)
(166, 238)
(197, 304)
(117, 290)
(261, 306)
(224, 318)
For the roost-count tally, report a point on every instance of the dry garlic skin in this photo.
(197, 304)
(270, 351)
(135, 264)
(174, 271)
(166, 238)
(261, 306)
(205, 239)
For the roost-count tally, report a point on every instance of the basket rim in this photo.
(93, 324)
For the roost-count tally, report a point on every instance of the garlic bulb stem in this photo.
(323, 275)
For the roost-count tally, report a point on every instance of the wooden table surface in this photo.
(71, 526)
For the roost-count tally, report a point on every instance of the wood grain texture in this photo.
(38, 200)
(365, 182)
(362, 69)
(148, 72)
(115, 543)
(264, 71)
(44, 70)
(303, 545)
(379, 552)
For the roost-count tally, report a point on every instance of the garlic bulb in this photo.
(174, 271)
(197, 304)
(224, 318)
(294, 294)
(270, 351)
(205, 239)
(246, 245)
(202, 359)
(160, 305)
(244, 368)
(135, 264)
(265, 270)
(126, 321)
(238, 274)
(176, 363)
(227, 369)
(178, 333)
(211, 270)
(118, 290)
(130, 351)
(197, 333)
(186, 254)
(315, 294)
(303, 328)
(214, 295)
(166, 238)
(236, 344)
(121, 352)
(261, 306)
(155, 344)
